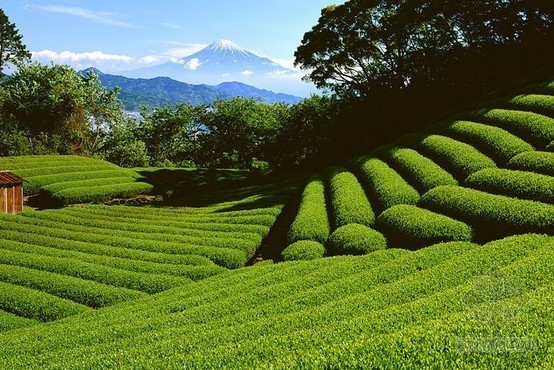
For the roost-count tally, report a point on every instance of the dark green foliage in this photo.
(460, 159)
(12, 49)
(495, 142)
(356, 239)
(384, 186)
(311, 221)
(349, 203)
(408, 226)
(541, 162)
(543, 104)
(550, 147)
(418, 170)
(303, 250)
(491, 215)
(514, 183)
(532, 127)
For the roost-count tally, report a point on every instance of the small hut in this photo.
(11, 193)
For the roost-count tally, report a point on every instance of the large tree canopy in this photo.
(367, 44)
(12, 49)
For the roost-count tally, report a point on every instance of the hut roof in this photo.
(9, 178)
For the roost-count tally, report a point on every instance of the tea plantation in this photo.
(436, 251)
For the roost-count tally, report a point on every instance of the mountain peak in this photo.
(225, 45)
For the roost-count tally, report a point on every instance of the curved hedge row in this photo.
(303, 250)
(87, 292)
(35, 183)
(420, 171)
(311, 221)
(519, 184)
(102, 192)
(408, 226)
(226, 257)
(460, 159)
(349, 203)
(35, 304)
(43, 224)
(543, 104)
(10, 321)
(540, 162)
(356, 239)
(534, 128)
(492, 214)
(149, 283)
(384, 186)
(492, 141)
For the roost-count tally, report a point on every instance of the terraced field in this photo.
(479, 179)
(445, 305)
(440, 246)
(74, 179)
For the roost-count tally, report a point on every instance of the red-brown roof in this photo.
(8, 178)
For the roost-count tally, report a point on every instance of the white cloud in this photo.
(247, 73)
(108, 18)
(193, 64)
(71, 57)
(105, 62)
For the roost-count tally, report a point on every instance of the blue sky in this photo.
(119, 35)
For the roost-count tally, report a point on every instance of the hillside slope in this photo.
(455, 227)
(483, 176)
(453, 305)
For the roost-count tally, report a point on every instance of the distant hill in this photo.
(160, 91)
(224, 61)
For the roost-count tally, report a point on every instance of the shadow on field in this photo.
(42, 201)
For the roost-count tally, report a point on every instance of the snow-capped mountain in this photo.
(225, 58)
(225, 61)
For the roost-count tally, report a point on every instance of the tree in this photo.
(171, 133)
(240, 131)
(60, 110)
(367, 45)
(12, 49)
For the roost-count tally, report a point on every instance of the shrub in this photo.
(543, 104)
(520, 184)
(550, 147)
(408, 226)
(534, 128)
(491, 215)
(460, 159)
(102, 192)
(420, 171)
(226, 257)
(541, 162)
(149, 283)
(384, 185)
(9, 321)
(311, 221)
(493, 141)
(82, 291)
(35, 304)
(356, 239)
(303, 250)
(349, 203)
